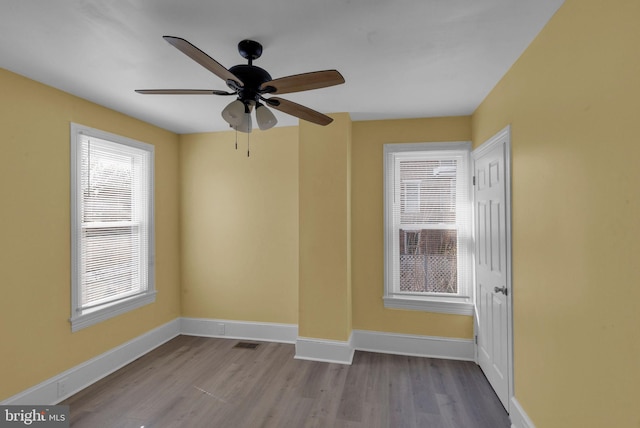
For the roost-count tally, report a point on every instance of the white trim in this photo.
(519, 418)
(91, 371)
(427, 302)
(387, 343)
(328, 351)
(229, 329)
(420, 304)
(502, 137)
(111, 311)
(81, 319)
(414, 345)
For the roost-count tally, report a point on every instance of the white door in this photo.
(492, 265)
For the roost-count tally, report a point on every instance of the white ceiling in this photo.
(400, 58)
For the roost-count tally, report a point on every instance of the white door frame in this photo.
(502, 135)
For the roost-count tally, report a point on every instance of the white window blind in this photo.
(112, 222)
(427, 224)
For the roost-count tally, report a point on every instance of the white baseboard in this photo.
(387, 343)
(413, 345)
(331, 351)
(91, 371)
(519, 418)
(228, 329)
(328, 351)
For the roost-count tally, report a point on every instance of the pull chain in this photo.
(248, 142)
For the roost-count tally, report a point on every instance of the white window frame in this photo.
(82, 318)
(460, 303)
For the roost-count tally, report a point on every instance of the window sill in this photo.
(85, 320)
(428, 305)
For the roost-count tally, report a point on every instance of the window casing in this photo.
(428, 237)
(112, 225)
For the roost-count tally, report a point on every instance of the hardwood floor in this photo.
(193, 382)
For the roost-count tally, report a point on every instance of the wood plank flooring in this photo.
(193, 382)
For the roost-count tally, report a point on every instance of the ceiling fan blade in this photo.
(203, 59)
(183, 92)
(303, 82)
(300, 111)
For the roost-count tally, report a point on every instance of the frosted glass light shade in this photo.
(234, 113)
(245, 124)
(265, 117)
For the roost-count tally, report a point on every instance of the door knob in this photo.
(502, 290)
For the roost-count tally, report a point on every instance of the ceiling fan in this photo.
(250, 84)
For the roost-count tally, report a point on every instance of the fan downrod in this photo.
(250, 50)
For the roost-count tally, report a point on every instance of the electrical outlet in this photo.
(221, 328)
(62, 387)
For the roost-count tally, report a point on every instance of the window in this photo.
(411, 196)
(112, 231)
(428, 260)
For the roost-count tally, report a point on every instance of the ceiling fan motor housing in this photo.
(252, 77)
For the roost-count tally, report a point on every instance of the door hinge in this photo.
(476, 339)
(474, 180)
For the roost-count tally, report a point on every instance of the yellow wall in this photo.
(35, 335)
(573, 101)
(239, 220)
(325, 241)
(367, 226)
(227, 229)
(327, 181)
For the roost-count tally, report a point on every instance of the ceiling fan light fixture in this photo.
(264, 117)
(249, 83)
(234, 113)
(245, 124)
